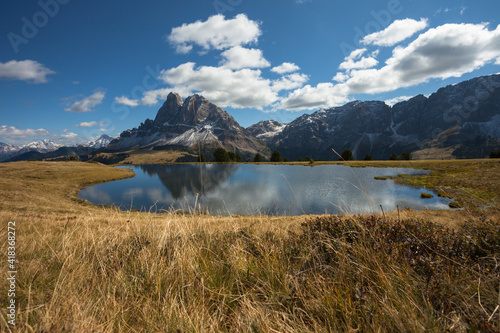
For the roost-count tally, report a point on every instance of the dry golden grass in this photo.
(153, 157)
(139, 157)
(50, 187)
(89, 269)
(435, 153)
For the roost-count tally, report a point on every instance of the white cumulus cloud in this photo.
(289, 82)
(216, 32)
(286, 67)
(69, 135)
(241, 88)
(340, 77)
(25, 70)
(356, 61)
(308, 97)
(450, 50)
(239, 57)
(126, 101)
(13, 131)
(86, 104)
(91, 124)
(398, 31)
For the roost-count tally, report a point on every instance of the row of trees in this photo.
(223, 156)
(348, 156)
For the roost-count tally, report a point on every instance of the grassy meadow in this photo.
(83, 268)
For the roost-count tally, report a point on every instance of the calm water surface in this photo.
(261, 189)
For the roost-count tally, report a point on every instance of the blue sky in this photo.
(71, 70)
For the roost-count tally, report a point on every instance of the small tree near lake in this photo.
(393, 157)
(276, 157)
(221, 155)
(406, 156)
(258, 158)
(495, 154)
(346, 155)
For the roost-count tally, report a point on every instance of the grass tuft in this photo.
(424, 195)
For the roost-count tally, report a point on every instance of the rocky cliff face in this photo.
(361, 126)
(464, 117)
(190, 123)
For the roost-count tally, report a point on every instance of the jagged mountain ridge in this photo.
(41, 146)
(190, 123)
(464, 117)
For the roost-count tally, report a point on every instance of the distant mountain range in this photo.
(458, 121)
(461, 120)
(41, 149)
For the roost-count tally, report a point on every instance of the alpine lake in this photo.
(251, 189)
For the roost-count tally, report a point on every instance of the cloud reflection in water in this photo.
(260, 189)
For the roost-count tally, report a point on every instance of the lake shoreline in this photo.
(269, 189)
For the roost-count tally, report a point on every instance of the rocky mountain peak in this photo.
(174, 100)
(191, 122)
(195, 110)
(171, 106)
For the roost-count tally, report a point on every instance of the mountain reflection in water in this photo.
(190, 179)
(261, 189)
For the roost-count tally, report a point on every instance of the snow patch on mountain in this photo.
(100, 142)
(192, 137)
(266, 130)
